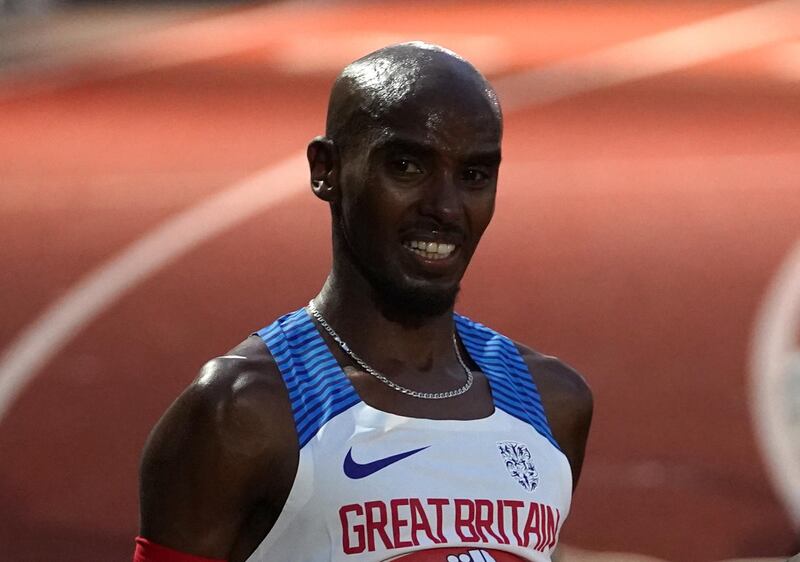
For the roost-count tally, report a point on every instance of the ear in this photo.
(323, 163)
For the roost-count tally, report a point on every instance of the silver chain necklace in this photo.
(393, 385)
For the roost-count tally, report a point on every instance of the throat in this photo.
(424, 364)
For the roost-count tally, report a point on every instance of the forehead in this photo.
(456, 122)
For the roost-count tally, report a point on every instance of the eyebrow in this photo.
(487, 157)
(400, 143)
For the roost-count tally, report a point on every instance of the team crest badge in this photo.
(517, 457)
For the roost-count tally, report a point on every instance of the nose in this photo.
(442, 200)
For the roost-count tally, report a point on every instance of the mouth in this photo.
(432, 251)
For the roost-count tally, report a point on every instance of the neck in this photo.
(348, 304)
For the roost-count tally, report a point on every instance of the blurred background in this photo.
(154, 211)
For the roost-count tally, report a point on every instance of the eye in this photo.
(405, 166)
(475, 176)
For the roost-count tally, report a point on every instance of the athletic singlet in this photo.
(373, 486)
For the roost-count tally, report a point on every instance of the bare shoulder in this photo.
(246, 391)
(203, 467)
(558, 382)
(239, 397)
(568, 403)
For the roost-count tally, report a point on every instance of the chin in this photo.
(428, 301)
(412, 303)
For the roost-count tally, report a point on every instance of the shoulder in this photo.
(244, 387)
(238, 399)
(203, 465)
(558, 382)
(567, 400)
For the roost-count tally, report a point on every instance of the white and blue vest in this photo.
(373, 486)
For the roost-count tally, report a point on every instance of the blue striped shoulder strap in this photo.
(318, 388)
(513, 389)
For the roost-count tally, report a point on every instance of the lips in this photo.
(433, 250)
(430, 250)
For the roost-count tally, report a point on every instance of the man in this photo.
(375, 424)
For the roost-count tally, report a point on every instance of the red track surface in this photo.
(636, 232)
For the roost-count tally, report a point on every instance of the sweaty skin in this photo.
(411, 154)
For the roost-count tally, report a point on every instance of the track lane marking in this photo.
(774, 353)
(143, 52)
(103, 286)
(660, 53)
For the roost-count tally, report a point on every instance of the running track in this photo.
(639, 225)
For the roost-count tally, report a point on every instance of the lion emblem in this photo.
(517, 457)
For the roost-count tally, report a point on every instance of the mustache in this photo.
(428, 227)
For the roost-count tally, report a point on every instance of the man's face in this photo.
(418, 193)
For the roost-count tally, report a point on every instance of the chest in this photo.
(384, 481)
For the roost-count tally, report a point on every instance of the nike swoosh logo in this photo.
(355, 470)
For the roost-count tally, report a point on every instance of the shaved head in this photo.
(373, 87)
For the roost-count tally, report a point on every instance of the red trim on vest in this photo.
(147, 551)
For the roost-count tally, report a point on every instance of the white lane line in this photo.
(207, 37)
(101, 288)
(664, 52)
(775, 381)
(65, 318)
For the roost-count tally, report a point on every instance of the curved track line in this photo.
(98, 290)
(644, 58)
(660, 53)
(774, 354)
(140, 52)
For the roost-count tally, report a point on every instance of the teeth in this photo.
(430, 250)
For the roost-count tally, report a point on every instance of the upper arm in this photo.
(204, 466)
(568, 405)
